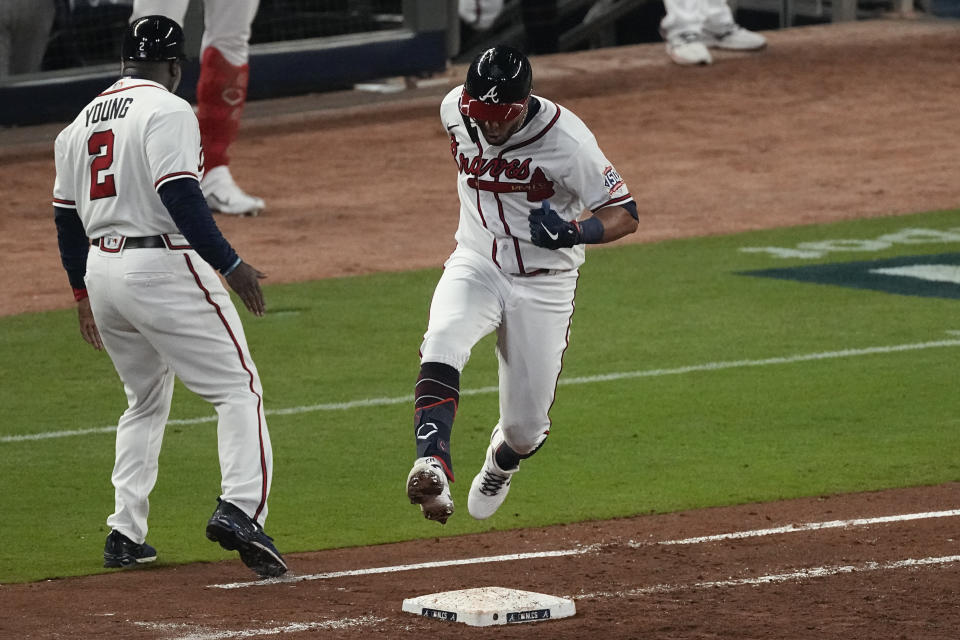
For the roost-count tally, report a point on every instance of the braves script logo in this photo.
(537, 187)
(454, 145)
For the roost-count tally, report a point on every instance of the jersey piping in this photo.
(171, 176)
(133, 86)
(496, 195)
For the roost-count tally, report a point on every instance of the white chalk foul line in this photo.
(800, 574)
(810, 526)
(191, 632)
(605, 377)
(408, 567)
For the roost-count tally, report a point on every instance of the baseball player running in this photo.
(527, 169)
(128, 171)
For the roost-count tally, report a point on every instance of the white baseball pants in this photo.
(691, 15)
(164, 312)
(531, 316)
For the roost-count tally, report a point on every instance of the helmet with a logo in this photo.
(498, 85)
(153, 39)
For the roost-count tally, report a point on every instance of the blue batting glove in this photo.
(550, 231)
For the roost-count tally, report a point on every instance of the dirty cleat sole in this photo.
(427, 486)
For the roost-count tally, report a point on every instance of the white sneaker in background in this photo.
(428, 487)
(687, 48)
(489, 487)
(224, 196)
(732, 37)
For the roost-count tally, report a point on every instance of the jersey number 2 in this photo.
(100, 145)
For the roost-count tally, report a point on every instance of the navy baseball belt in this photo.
(536, 272)
(115, 244)
(541, 272)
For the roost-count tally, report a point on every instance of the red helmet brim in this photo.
(473, 108)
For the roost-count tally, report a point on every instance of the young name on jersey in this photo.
(107, 110)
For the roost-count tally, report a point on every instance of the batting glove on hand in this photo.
(550, 231)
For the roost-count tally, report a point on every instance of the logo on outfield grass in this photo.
(820, 248)
(934, 276)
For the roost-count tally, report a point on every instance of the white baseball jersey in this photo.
(554, 157)
(137, 125)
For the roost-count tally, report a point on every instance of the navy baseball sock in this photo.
(435, 398)
(507, 459)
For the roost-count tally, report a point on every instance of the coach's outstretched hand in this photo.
(550, 231)
(245, 280)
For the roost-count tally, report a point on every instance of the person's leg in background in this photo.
(221, 96)
(479, 15)
(221, 91)
(721, 31)
(24, 33)
(681, 28)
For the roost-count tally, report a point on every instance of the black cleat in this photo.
(236, 531)
(121, 551)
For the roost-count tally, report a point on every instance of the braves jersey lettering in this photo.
(537, 189)
(513, 169)
(103, 111)
(100, 146)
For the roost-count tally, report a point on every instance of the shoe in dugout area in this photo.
(224, 196)
(236, 531)
(732, 37)
(489, 487)
(427, 485)
(121, 551)
(687, 48)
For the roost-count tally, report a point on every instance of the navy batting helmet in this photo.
(153, 39)
(498, 85)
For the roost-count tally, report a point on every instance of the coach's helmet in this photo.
(153, 39)
(498, 85)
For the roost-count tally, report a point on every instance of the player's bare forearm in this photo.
(617, 223)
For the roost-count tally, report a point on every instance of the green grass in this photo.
(617, 448)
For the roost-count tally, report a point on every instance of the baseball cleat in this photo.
(733, 37)
(121, 551)
(427, 485)
(687, 48)
(235, 531)
(489, 487)
(224, 196)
